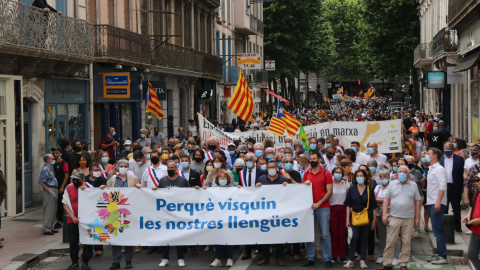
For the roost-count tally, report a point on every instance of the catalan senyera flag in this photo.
(292, 124)
(153, 105)
(325, 99)
(241, 102)
(340, 90)
(277, 126)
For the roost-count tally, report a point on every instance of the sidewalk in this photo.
(23, 235)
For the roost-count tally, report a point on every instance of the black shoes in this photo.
(48, 233)
(328, 264)
(57, 225)
(54, 231)
(246, 256)
(128, 265)
(73, 266)
(85, 266)
(115, 266)
(308, 263)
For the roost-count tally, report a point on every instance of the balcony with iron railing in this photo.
(29, 31)
(256, 25)
(445, 41)
(422, 55)
(120, 46)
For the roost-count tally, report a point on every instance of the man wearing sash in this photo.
(154, 173)
(213, 145)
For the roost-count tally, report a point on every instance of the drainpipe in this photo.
(91, 124)
(469, 107)
(193, 25)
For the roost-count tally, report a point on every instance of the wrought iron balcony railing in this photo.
(445, 40)
(177, 57)
(30, 31)
(212, 66)
(256, 25)
(113, 44)
(423, 51)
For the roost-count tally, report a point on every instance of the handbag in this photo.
(361, 218)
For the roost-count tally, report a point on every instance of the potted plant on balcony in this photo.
(449, 45)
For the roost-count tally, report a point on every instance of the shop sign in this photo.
(270, 65)
(436, 80)
(454, 78)
(65, 90)
(206, 94)
(116, 85)
(249, 60)
(160, 88)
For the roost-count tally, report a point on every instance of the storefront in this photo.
(117, 103)
(206, 99)
(66, 110)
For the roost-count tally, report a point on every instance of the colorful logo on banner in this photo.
(116, 85)
(111, 217)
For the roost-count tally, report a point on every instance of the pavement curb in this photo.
(56, 249)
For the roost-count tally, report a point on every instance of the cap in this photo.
(78, 175)
(57, 149)
(85, 142)
(127, 142)
(232, 144)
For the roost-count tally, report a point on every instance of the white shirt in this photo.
(448, 168)
(254, 174)
(339, 193)
(193, 129)
(360, 157)
(381, 160)
(470, 162)
(139, 170)
(160, 171)
(436, 181)
(330, 163)
(355, 166)
(380, 195)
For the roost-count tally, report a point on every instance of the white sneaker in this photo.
(230, 262)
(163, 263)
(469, 232)
(439, 260)
(395, 262)
(216, 263)
(207, 248)
(379, 260)
(433, 258)
(181, 263)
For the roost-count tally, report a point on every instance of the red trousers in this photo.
(338, 220)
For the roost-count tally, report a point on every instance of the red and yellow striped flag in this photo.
(277, 126)
(153, 105)
(241, 102)
(292, 124)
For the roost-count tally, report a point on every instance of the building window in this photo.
(222, 15)
(228, 10)
(3, 97)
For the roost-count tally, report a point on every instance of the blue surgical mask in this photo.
(231, 153)
(114, 133)
(178, 164)
(354, 149)
(185, 165)
(249, 164)
(52, 163)
(427, 159)
(384, 182)
(280, 165)
(104, 159)
(148, 157)
(313, 146)
(337, 176)
(258, 153)
(372, 169)
(435, 128)
(402, 177)
(454, 145)
(288, 166)
(370, 150)
(269, 157)
(328, 145)
(395, 170)
(360, 180)
(222, 182)
(448, 153)
(185, 152)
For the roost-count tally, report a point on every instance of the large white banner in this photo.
(186, 216)
(387, 134)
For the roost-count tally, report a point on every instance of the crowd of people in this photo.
(359, 194)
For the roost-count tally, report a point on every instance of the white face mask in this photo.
(96, 174)
(127, 148)
(263, 167)
(142, 135)
(123, 170)
(272, 172)
(139, 163)
(217, 165)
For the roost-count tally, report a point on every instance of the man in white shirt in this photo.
(381, 159)
(152, 175)
(437, 202)
(473, 160)
(330, 159)
(360, 157)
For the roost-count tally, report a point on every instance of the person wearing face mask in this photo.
(232, 152)
(139, 164)
(403, 201)
(198, 161)
(158, 136)
(337, 221)
(171, 143)
(78, 152)
(272, 178)
(144, 141)
(329, 158)
(261, 163)
(269, 154)
(181, 135)
(435, 138)
(419, 178)
(453, 165)
(314, 147)
(360, 196)
(192, 176)
(292, 175)
(372, 168)
(152, 175)
(321, 181)
(206, 170)
(82, 166)
(373, 154)
(127, 148)
(61, 171)
(213, 145)
(359, 156)
(218, 164)
(70, 204)
(104, 165)
(122, 180)
(238, 167)
(169, 181)
(49, 185)
(250, 145)
(108, 142)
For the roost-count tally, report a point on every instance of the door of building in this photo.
(27, 152)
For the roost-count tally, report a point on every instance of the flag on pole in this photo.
(292, 124)
(241, 102)
(152, 104)
(277, 126)
(340, 90)
(303, 137)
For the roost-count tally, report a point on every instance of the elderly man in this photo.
(108, 143)
(49, 185)
(122, 180)
(144, 141)
(403, 200)
(288, 142)
(213, 145)
(437, 202)
(298, 147)
(269, 153)
(372, 151)
(258, 150)
(453, 165)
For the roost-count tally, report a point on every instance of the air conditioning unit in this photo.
(250, 77)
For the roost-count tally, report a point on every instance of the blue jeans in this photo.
(180, 252)
(322, 215)
(437, 228)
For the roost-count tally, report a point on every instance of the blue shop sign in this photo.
(59, 90)
(436, 80)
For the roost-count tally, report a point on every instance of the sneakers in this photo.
(395, 262)
(439, 260)
(379, 260)
(163, 263)
(229, 262)
(363, 264)
(349, 264)
(433, 258)
(216, 263)
(469, 232)
(181, 263)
